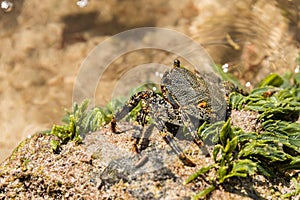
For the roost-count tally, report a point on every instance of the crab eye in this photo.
(176, 63)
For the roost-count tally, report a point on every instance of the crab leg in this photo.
(170, 140)
(187, 121)
(132, 103)
(143, 141)
(127, 108)
(162, 110)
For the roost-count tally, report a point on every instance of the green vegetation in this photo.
(80, 121)
(272, 150)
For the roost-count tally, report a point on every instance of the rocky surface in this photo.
(106, 167)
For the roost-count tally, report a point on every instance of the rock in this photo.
(105, 166)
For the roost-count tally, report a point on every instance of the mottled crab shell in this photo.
(185, 87)
(191, 93)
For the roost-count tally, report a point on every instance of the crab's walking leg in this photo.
(143, 141)
(127, 108)
(187, 121)
(161, 111)
(132, 103)
(170, 140)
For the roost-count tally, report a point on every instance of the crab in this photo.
(185, 102)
